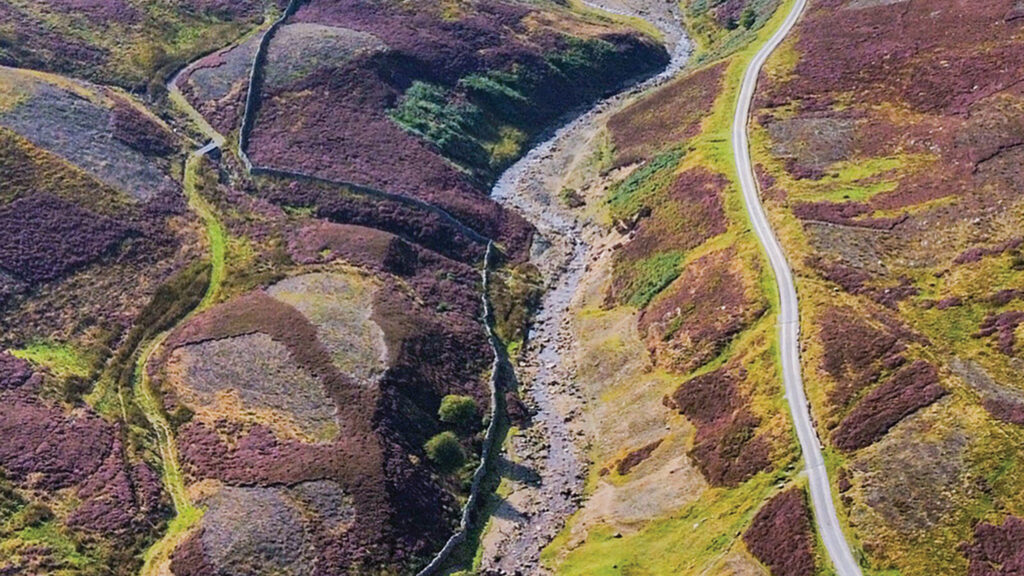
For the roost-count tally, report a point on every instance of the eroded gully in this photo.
(545, 464)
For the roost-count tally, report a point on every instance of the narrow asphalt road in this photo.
(789, 316)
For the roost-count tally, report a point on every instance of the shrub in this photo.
(457, 410)
(747, 18)
(445, 451)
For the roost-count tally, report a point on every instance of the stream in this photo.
(546, 481)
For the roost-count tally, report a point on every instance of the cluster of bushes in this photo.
(445, 449)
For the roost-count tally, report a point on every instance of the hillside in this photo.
(284, 368)
(415, 287)
(890, 168)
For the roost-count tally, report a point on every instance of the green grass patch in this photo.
(62, 360)
(650, 276)
(627, 197)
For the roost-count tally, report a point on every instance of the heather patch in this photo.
(682, 216)
(49, 449)
(671, 115)
(673, 219)
(727, 448)
(97, 11)
(362, 146)
(131, 126)
(856, 353)
(1004, 326)
(341, 307)
(400, 513)
(850, 55)
(216, 85)
(43, 237)
(680, 333)
(300, 49)
(80, 130)
(341, 205)
(976, 253)
(29, 43)
(252, 377)
(321, 242)
(13, 371)
(439, 281)
(122, 42)
(119, 498)
(997, 549)
(470, 89)
(230, 9)
(908, 390)
(636, 457)
(781, 535)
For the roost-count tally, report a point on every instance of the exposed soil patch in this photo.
(811, 144)
(900, 476)
(1005, 403)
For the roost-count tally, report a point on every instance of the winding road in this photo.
(789, 315)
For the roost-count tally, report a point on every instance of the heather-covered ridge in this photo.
(437, 101)
(93, 225)
(888, 150)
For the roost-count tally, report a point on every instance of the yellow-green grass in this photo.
(187, 515)
(215, 233)
(684, 543)
(60, 359)
(50, 535)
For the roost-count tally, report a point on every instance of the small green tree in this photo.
(747, 18)
(445, 451)
(457, 410)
